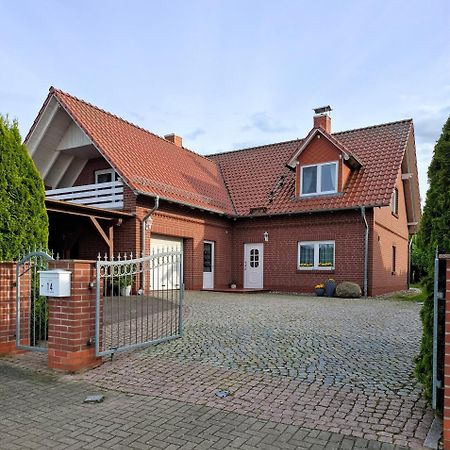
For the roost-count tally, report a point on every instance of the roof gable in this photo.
(348, 156)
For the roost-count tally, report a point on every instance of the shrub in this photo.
(433, 233)
(23, 217)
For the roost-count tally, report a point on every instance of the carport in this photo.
(79, 231)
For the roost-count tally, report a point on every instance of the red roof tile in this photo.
(147, 162)
(258, 177)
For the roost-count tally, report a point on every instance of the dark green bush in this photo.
(433, 233)
(23, 217)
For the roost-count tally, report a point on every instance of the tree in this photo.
(23, 217)
(433, 233)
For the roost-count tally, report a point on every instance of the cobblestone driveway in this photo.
(339, 366)
(38, 411)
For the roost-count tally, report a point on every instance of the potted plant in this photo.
(233, 285)
(124, 280)
(330, 287)
(319, 289)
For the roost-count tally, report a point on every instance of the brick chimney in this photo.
(177, 140)
(322, 118)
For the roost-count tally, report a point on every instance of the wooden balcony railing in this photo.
(102, 195)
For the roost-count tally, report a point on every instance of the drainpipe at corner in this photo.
(143, 228)
(366, 250)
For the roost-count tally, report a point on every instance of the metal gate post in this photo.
(435, 329)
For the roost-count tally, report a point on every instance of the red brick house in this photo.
(283, 216)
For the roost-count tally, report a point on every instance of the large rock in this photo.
(347, 289)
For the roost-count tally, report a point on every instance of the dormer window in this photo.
(319, 179)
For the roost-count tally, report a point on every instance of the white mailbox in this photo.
(55, 283)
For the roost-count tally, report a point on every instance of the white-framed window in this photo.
(317, 255)
(105, 176)
(394, 202)
(319, 179)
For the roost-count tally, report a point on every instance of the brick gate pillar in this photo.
(71, 322)
(7, 307)
(446, 418)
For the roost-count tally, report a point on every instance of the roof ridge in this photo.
(301, 139)
(374, 126)
(254, 148)
(53, 89)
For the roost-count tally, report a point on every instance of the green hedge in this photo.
(23, 217)
(433, 232)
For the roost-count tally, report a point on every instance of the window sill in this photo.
(315, 271)
(319, 194)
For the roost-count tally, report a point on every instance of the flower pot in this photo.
(125, 291)
(319, 292)
(330, 288)
(233, 286)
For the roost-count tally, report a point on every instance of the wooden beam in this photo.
(111, 240)
(58, 170)
(80, 214)
(102, 233)
(44, 122)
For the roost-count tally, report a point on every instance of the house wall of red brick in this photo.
(87, 175)
(389, 231)
(191, 225)
(281, 251)
(280, 255)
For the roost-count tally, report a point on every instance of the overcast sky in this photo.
(233, 74)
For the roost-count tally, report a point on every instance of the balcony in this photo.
(101, 195)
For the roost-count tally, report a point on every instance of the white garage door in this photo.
(166, 271)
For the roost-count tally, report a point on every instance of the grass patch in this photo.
(414, 296)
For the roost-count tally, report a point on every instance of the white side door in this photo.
(208, 264)
(165, 273)
(253, 266)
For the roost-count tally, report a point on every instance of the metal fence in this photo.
(31, 308)
(139, 301)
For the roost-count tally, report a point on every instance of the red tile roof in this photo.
(242, 182)
(258, 177)
(147, 162)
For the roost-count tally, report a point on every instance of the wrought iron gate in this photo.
(139, 301)
(31, 308)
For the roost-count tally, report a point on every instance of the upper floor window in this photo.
(394, 203)
(105, 176)
(319, 179)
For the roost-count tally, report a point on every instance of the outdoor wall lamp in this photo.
(266, 236)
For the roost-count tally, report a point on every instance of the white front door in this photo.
(253, 265)
(208, 265)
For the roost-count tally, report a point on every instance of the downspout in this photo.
(143, 228)
(366, 250)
